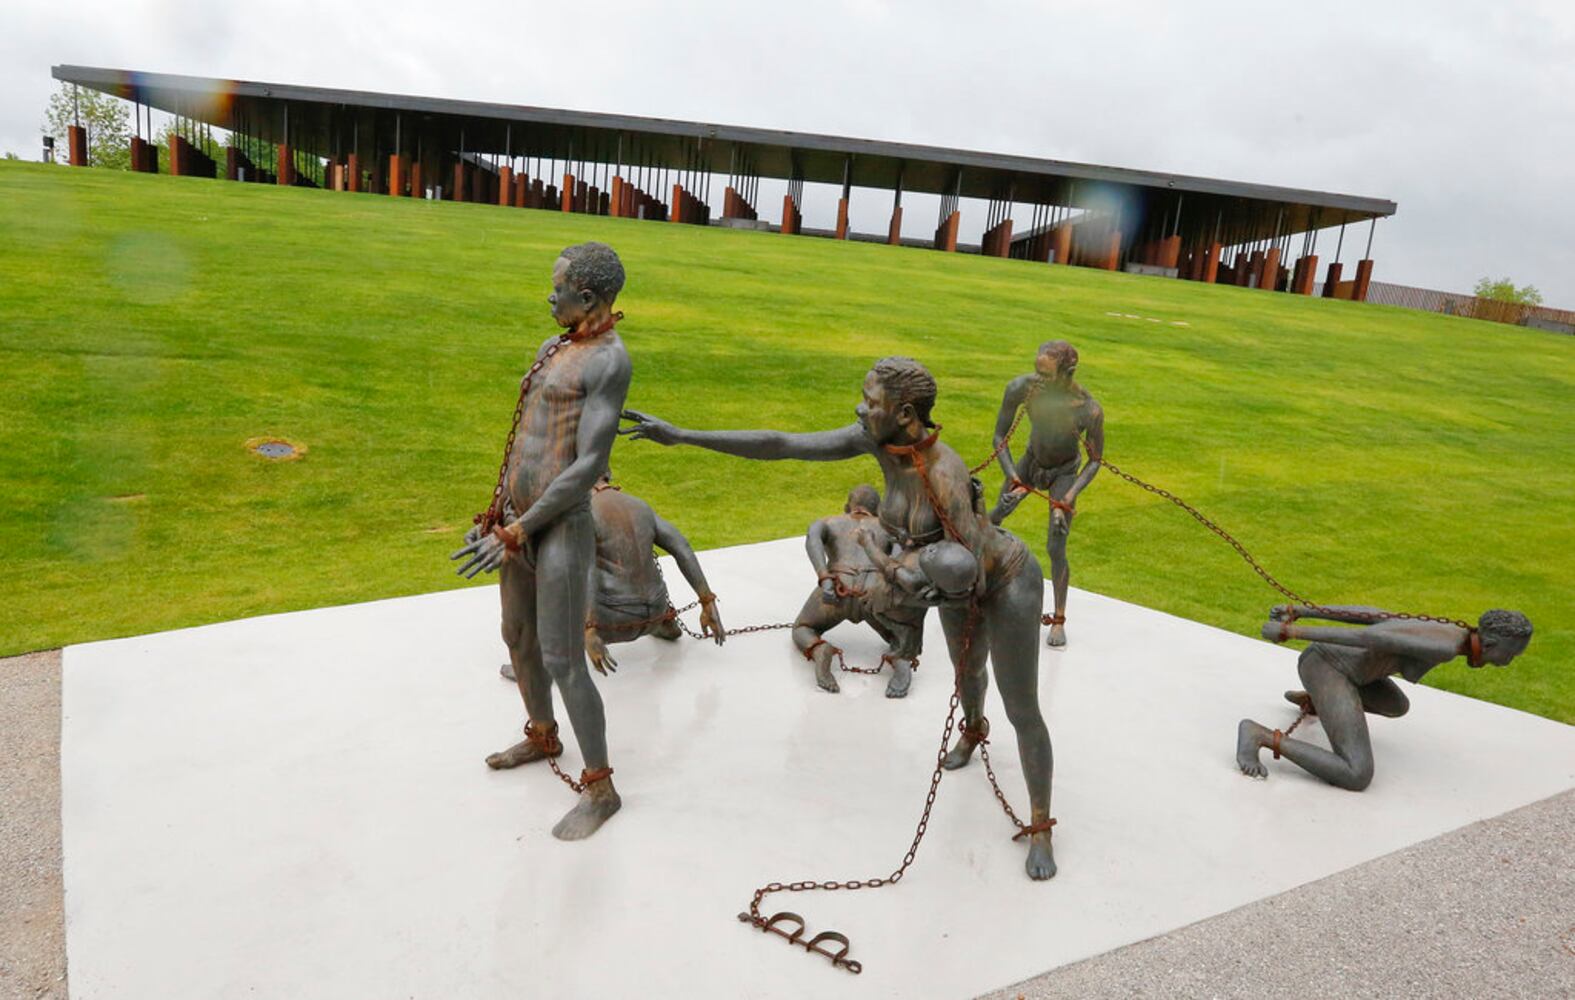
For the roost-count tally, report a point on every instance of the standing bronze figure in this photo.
(1347, 673)
(1062, 416)
(538, 531)
(930, 496)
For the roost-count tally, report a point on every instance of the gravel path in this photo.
(1485, 911)
(32, 915)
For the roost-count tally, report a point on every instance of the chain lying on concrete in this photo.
(839, 959)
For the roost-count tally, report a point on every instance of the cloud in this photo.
(1461, 116)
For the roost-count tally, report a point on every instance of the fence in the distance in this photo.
(1469, 306)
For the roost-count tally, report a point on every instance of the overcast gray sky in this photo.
(1465, 118)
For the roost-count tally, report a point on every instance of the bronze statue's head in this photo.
(1057, 361)
(587, 276)
(862, 497)
(1505, 635)
(898, 396)
(950, 567)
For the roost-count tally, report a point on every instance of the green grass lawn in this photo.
(149, 326)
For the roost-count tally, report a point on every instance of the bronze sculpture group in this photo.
(576, 571)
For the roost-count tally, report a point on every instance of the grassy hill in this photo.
(150, 326)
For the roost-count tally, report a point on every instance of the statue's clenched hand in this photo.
(648, 428)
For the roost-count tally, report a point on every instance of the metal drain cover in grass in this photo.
(277, 449)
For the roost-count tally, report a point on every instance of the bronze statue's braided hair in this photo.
(908, 382)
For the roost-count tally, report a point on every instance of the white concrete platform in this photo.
(296, 806)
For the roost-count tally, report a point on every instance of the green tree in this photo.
(107, 121)
(1504, 290)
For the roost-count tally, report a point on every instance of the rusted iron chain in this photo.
(1006, 439)
(493, 515)
(1304, 604)
(1241, 550)
(754, 916)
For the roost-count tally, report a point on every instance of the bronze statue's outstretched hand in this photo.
(648, 428)
(486, 554)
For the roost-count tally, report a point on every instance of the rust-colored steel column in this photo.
(137, 154)
(1061, 242)
(1254, 273)
(396, 175)
(176, 160)
(1364, 278)
(232, 163)
(353, 173)
(615, 204)
(894, 230)
(566, 203)
(789, 213)
(842, 218)
(76, 141)
(946, 235)
(459, 181)
(286, 173)
(1309, 271)
(1331, 280)
(521, 186)
(1211, 263)
(418, 188)
(1113, 252)
(1170, 251)
(505, 185)
(678, 204)
(1270, 275)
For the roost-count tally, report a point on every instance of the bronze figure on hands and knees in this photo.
(1062, 416)
(849, 590)
(538, 533)
(627, 595)
(1347, 674)
(929, 497)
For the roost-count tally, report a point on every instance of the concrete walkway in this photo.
(1485, 911)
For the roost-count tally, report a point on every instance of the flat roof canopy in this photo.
(328, 122)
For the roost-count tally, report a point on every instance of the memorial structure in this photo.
(658, 169)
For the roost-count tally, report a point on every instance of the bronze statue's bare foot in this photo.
(959, 755)
(1041, 859)
(1056, 639)
(1249, 741)
(1302, 700)
(597, 804)
(823, 674)
(507, 671)
(901, 678)
(523, 752)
